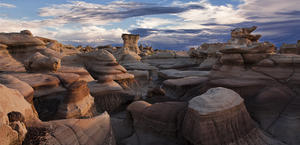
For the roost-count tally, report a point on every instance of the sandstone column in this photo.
(131, 42)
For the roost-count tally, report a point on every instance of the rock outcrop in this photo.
(78, 102)
(219, 116)
(131, 42)
(151, 120)
(91, 131)
(38, 62)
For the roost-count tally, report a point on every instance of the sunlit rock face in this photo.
(131, 42)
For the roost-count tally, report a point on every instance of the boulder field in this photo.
(241, 92)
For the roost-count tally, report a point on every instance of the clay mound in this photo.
(220, 117)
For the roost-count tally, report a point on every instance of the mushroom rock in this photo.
(131, 42)
(14, 83)
(109, 96)
(77, 103)
(219, 116)
(77, 70)
(92, 131)
(38, 62)
(103, 66)
(159, 119)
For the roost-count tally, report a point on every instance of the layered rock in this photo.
(131, 42)
(14, 83)
(219, 116)
(77, 103)
(152, 122)
(92, 131)
(7, 62)
(109, 96)
(103, 66)
(168, 59)
(38, 62)
(176, 88)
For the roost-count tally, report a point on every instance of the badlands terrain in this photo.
(242, 92)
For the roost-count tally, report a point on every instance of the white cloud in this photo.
(7, 5)
(151, 22)
(269, 10)
(223, 14)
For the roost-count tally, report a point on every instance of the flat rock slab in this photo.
(187, 81)
(100, 88)
(17, 39)
(37, 80)
(175, 74)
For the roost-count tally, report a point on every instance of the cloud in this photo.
(6, 5)
(98, 14)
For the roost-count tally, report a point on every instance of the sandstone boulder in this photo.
(39, 62)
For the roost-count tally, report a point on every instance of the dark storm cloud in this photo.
(83, 12)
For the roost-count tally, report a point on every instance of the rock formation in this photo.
(91, 131)
(39, 62)
(219, 116)
(131, 42)
(51, 93)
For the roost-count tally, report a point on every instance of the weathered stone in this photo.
(131, 42)
(232, 59)
(174, 74)
(14, 83)
(19, 39)
(158, 118)
(220, 117)
(77, 103)
(91, 131)
(39, 62)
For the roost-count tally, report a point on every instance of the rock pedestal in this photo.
(219, 116)
(131, 42)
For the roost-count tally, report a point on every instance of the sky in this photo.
(162, 24)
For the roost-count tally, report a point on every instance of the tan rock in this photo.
(14, 83)
(19, 39)
(39, 62)
(174, 74)
(92, 131)
(12, 100)
(131, 42)
(77, 103)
